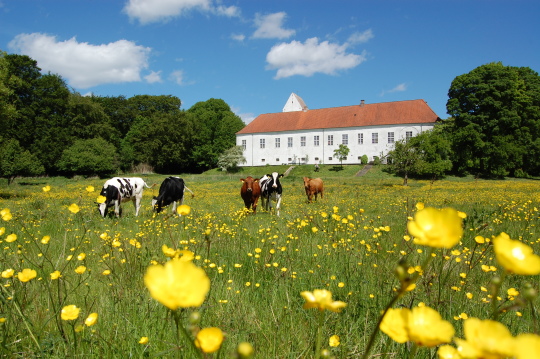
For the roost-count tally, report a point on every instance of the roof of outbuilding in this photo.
(376, 114)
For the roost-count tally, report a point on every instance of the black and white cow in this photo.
(271, 191)
(120, 189)
(171, 191)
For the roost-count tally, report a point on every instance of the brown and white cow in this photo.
(250, 192)
(313, 186)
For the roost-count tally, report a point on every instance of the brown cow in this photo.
(250, 192)
(313, 186)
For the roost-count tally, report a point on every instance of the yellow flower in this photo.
(2, 230)
(479, 239)
(8, 273)
(2, 320)
(106, 272)
(245, 350)
(513, 292)
(527, 346)
(420, 206)
(47, 188)
(91, 320)
(178, 283)
(55, 275)
(183, 210)
(169, 252)
(321, 299)
(485, 339)
(421, 325)
(45, 239)
(209, 339)
(334, 341)
(74, 208)
(448, 352)
(439, 228)
(90, 189)
(80, 269)
(101, 199)
(6, 214)
(26, 274)
(515, 256)
(11, 238)
(186, 255)
(70, 312)
(143, 340)
(81, 256)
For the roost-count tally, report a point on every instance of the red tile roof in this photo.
(376, 114)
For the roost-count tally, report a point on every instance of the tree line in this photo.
(46, 128)
(493, 130)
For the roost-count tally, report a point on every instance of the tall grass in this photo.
(349, 243)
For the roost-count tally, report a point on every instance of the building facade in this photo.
(302, 136)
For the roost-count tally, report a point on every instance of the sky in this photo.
(254, 53)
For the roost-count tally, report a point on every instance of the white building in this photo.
(302, 136)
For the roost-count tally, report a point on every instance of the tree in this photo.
(341, 153)
(496, 121)
(231, 158)
(87, 157)
(16, 161)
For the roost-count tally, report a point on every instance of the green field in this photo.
(349, 243)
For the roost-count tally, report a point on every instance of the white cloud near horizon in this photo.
(398, 88)
(149, 11)
(84, 65)
(310, 57)
(153, 77)
(238, 37)
(271, 26)
(177, 77)
(361, 37)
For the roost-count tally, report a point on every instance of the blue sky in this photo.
(254, 53)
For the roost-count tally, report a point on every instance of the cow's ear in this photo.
(281, 175)
(256, 180)
(242, 180)
(268, 175)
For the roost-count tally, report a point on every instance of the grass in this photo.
(349, 243)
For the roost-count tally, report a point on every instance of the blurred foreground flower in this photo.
(527, 346)
(101, 199)
(438, 228)
(421, 325)
(209, 339)
(448, 352)
(515, 256)
(321, 299)
(485, 339)
(74, 208)
(26, 274)
(6, 214)
(91, 320)
(70, 312)
(178, 283)
(183, 210)
(245, 350)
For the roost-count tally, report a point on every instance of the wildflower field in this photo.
(313, 282)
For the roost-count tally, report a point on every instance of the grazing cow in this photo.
(271, 191)
(250, 192)
(118, 190)
(313, 186)
(171, 191)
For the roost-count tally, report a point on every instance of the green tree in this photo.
(215, 131)
(231, 158)
(87, 157)
(16, 161)
(341, 153)
(496, 121)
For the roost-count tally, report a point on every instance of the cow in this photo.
(120, 189)
(271, 190)
(171, 191)
(313, 186)
(250, 192)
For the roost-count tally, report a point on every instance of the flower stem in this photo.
(181, 331)
(319, 334)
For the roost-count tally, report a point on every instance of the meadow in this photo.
(351, 243)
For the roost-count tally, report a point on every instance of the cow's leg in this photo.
(278, 204)
(254, 205)
(117, 208)
(137, 204)
(173, 209)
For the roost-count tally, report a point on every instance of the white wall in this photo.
(323, 153)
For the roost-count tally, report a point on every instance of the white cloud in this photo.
(238, 37)
(148, 11)
(361, 37)
(306, 59)
(84, 65)
(270, 26)
(399, 88)
(153, 77)
(178, 77)
(246, 117)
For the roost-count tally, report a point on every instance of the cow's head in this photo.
(306, 181)
(155, 205)
(275, 179)
(110, 193)
(248, 183)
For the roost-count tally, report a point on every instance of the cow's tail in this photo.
(190, 191)
(147, 186)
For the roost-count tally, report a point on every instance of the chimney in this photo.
(362, 103)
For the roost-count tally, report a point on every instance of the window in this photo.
(277, 159)
(374, 138)
(278, 142)
(345, 139)
(315, 140)
(290, 159)
(329, 158)
(330, 140)
(408, 135)
(360, 138)
(263, 160)
(289, 142)
(262, 143)
(316, 158)
(303, 141)
(244, 144)
(390, 137)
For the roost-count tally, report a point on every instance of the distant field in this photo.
(349, 243)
